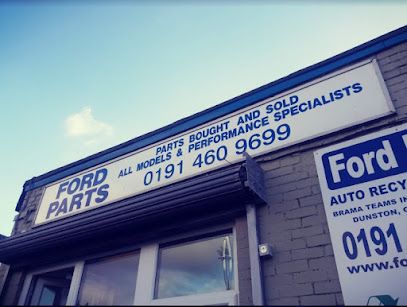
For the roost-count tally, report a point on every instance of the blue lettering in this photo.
(86, 180)
(63, 207)
(100, 176)
(52, 208)
(76, 201)
(62, 188)
(102, 193)
(73, 185)
(89, 193)
(370, 160)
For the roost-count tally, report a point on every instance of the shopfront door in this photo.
(50, 288)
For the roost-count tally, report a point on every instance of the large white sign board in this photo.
(364, 188)
(348, 97)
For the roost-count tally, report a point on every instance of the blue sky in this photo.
(79, 77)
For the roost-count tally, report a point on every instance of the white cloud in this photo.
(83, 124)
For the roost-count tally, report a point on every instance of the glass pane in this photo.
(47, 296)
(195, 267)
(109, 281)
(50, 288)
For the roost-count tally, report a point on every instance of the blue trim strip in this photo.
(315, 71)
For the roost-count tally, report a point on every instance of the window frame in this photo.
(101, 257)
(73, 287)
(145, 292)
(147, 271)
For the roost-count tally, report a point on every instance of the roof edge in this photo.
(307, 74)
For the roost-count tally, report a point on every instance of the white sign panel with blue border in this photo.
(364, 187)
(347, 97)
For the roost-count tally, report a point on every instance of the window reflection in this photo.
(48, 296)
(109, 281)
(200, 266)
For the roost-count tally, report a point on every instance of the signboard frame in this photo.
(389, 110)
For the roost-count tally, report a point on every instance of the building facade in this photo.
(233, 205)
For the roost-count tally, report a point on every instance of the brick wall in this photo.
(303, 270)
(25, 219)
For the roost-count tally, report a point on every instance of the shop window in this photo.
(109, 281)
(201, 266)
(190, 271)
